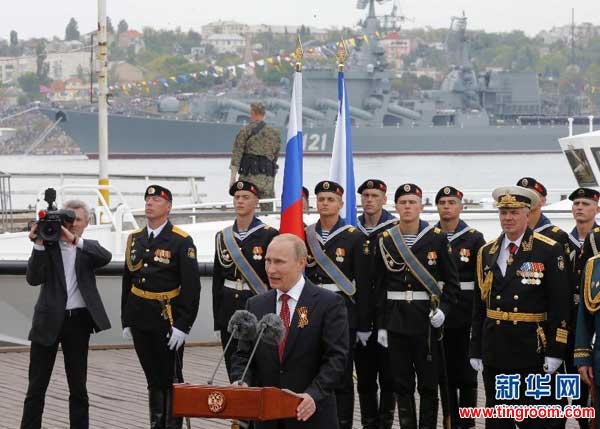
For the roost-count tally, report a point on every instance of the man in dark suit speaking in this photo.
(310, 359)
(68, 309)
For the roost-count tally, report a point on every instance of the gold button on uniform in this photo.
(516, 297)
(515, 309)
(143, 280)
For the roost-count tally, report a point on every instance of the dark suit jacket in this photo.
(314, 357)
(45, 268)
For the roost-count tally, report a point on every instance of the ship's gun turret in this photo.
(275, 103)
(355, 112)
(225, 103)
(404, 112)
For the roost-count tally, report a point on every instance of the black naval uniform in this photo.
(521, 317)
(403, 306)
(372, 361)
(161, 265)
(462, 378)
(230, 290)
(344, 247)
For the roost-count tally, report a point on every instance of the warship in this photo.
(491, 112)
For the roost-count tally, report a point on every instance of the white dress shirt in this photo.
(157, 230)
(504, 253)
(294, 294)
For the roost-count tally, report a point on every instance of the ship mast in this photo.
(103, 103)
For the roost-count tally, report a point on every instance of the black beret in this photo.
(531, 183)
(408, 189)
(242, 185)
(448, 191)
(373, 184)
(329, 186)
(588, 193)
(158, 191)
(305, 192)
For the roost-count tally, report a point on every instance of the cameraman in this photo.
(68, 309)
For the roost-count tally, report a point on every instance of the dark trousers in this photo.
(489, 381)
(74, 339)
(372, 364)
(462, 378)
(344, 394)
(416, 355)
(162, 367)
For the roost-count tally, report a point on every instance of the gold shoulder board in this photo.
(555, 229)
(267, 227)
(437, 230)
(351, 229)
(544, 239)
(597, 229)
(180, 231)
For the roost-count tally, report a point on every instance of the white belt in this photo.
(463, 285)
(467, 285)
(409, 295)
(332, 287)
(232, 284)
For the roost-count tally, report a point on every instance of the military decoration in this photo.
(191, 252)
(465, 254)
(162, 256)
(366, 249)
(561, 263)
(340, 252)
(257, 253)
(432, 258)
(302, 316)
(531, 273)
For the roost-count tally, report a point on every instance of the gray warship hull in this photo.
(136, 136)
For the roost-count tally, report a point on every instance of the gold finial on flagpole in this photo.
(341, 54)
(298, 54)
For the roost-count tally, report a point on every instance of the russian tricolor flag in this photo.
(291, 199)
(341, 169)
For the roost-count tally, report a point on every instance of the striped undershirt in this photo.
(410, 239)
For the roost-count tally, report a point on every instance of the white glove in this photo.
(363, 337)
(382, 337)
(476, 364)
(217, 335)
(437, 318)
(551, 364)
(177, 339)
(127, 335)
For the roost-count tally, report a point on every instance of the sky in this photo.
(39, 18)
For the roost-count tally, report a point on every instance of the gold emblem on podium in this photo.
(216, 402)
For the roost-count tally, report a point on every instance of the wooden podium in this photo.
(234, 402)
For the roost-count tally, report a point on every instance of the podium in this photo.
(234, 402)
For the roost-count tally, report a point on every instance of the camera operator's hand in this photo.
(67, 236)
(33, 235)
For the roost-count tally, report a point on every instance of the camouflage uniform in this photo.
(262, 141)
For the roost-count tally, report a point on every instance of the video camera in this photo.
(51, 219)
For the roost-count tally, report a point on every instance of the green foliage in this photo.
(72, 30)
(30, 83)
(109, 25)
(122, 26)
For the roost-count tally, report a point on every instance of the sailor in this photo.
(587, 355)
(239, 264)
(465, 242)
(522, 310)
(160, 297)
(585, 209)
(336, 262)
(371, 358)
(255, 153)
(410, 305)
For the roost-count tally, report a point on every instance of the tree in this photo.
(122, 27)
(30, 83)
(14, 39)
(41, 67)
(72, 30)
(109, 25)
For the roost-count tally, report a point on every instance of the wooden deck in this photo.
(116, 386)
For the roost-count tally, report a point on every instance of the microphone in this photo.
(271, 331)
(241, 326)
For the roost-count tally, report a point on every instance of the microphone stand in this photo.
(212, 377)
(258, 338)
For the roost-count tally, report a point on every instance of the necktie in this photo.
(151, 237)
(512, 250)
(284, 314)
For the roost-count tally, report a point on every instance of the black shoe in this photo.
(156, 403)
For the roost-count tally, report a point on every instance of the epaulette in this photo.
(543, 238)
(267, 227)
(437, 230)
(555, 229)
(137, 231)
(386, 234)
(597, 229)
(472, 230)
(180, 231)
(490, 243)
(351, 229)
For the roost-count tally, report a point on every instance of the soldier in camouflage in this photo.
(255, 153)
